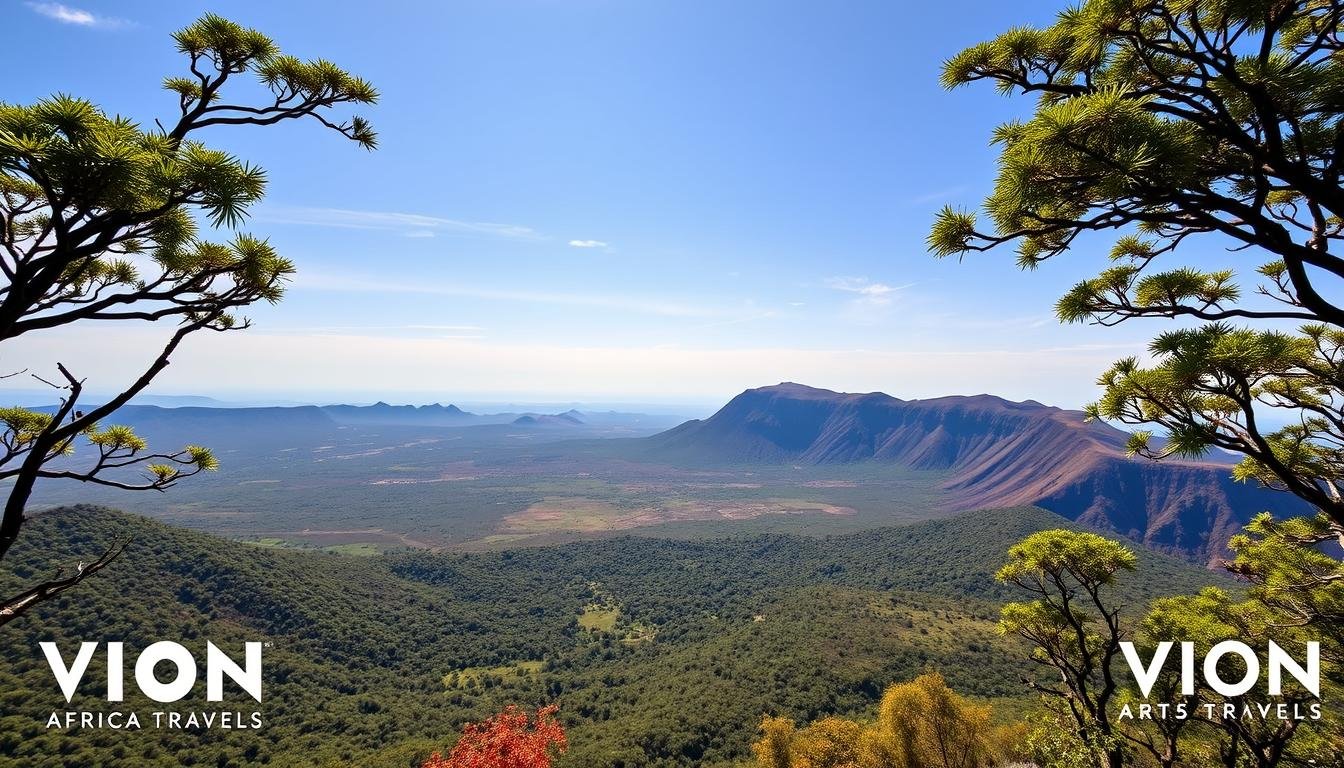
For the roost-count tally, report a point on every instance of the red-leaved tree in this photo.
(510, 739)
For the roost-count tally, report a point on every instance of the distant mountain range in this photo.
(996, 453)
(314, 417)
(990, 453)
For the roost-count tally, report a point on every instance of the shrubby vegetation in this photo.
(1158, 122)
(281, 475)
(790, 626)
(920, 724)
(511, 739)
(1076, 618)
(1075, 623)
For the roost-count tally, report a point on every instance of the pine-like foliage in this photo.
(101, 220)
(1214, 120)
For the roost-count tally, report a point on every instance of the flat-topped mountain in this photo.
(996, 453)
(382, 413)
(253, 428)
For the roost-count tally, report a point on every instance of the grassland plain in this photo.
(660, 651)
(390, 488)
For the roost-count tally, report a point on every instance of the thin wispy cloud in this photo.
(309, 280)
(871, 301)
(409, 224)
(587, 244)
(867, 290)
(76, 16)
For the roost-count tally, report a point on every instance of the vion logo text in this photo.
(1278, 664)
(184, 675)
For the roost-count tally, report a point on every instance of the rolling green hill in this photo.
(661, 652)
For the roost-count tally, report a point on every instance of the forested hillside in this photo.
(659, 652)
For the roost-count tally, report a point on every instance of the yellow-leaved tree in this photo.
(921, 724)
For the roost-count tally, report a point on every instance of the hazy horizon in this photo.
(478, 402)
(528, 228)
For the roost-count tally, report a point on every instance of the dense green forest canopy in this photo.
(379, 660)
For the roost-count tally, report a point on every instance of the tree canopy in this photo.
(920, 724)
(509, 739)
(1156, 125)
(1073, 625)
(101, 220)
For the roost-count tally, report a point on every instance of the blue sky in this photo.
(604, 200)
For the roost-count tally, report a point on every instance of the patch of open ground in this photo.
(470, 677)
(586, 515)
(367, 541)
(599, 618)
(353, 549)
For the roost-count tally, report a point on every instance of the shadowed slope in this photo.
(998, 454)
